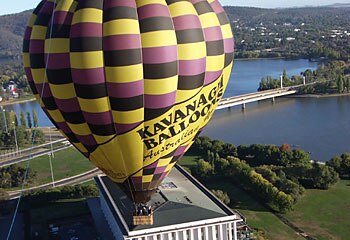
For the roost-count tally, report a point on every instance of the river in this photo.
(317, 125)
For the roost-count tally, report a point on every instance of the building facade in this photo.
(183, 210)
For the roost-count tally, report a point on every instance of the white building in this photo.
(183, 210)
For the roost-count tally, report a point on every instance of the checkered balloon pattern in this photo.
(130, 83)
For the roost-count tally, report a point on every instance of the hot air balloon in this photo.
(130, 83)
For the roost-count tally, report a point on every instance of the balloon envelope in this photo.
(130, 83)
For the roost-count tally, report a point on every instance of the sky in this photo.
(14, 6)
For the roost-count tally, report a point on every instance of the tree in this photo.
(203, 169)
(8, 120)
(13, 176)
(16, 120)
(348, 84)
(38, 136)
(341, 164)
(8, 93)
(285, 147)
(217, 146)
(322, 176)
(3, 195)
(228, 149)
(35, 118)
(285, 77)
(336, 163)
(29, 120)
(2, 93)
(22, 119)
(223, 196)
(340, 83)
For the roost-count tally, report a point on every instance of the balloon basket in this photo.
(143, 215)
(142, 220)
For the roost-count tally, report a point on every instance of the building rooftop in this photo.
(180, 199)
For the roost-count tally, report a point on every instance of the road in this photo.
(67, 181)
(29, 153)
(253, 97)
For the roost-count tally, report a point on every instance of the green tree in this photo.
(3, 195)
(345, 164)
(16, 120)
(228, 149)
(203, 169)
(22, 119)
(35, 118)
(348, 84)
(8, 93)
(21, 135)
(14, 176)
(336, 163)
(38, 136)
(285, 77)
(8, 120)
(2, 92)
(323, 176)
(223, 196)
(340, 84)
(29, 120)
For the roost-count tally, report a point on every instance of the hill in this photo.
(291, 32)
(11, 33)
(340, 5)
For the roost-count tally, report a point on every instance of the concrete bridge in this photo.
(256, 96)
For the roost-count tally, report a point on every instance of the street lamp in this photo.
(53, 180)
(14, 132)
(281, 79)
(51, 143)
(3, 114)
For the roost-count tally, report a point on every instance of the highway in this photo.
(253, 97)
(67, 181)
(33, 152)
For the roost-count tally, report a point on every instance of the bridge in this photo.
(256, 96)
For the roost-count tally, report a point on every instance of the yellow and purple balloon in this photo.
(129, 83)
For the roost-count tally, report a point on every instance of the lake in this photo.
(317, 125)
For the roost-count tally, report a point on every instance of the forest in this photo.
(331, 77)
(318, 32)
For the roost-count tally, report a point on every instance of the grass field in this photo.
(324, 214)
(258, 217)
(190, 159)
(66, 163)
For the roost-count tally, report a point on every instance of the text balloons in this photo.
(130, 83)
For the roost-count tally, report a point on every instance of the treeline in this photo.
(40, 197)
(276, 175)
(47, 196)
(332, 77)
(329, 78)
(268, 82)
(341, 164)
(13, 176)
(18, 133)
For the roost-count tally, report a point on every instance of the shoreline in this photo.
(325, 95)
(7, 103)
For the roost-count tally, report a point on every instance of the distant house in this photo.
(13, 88)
